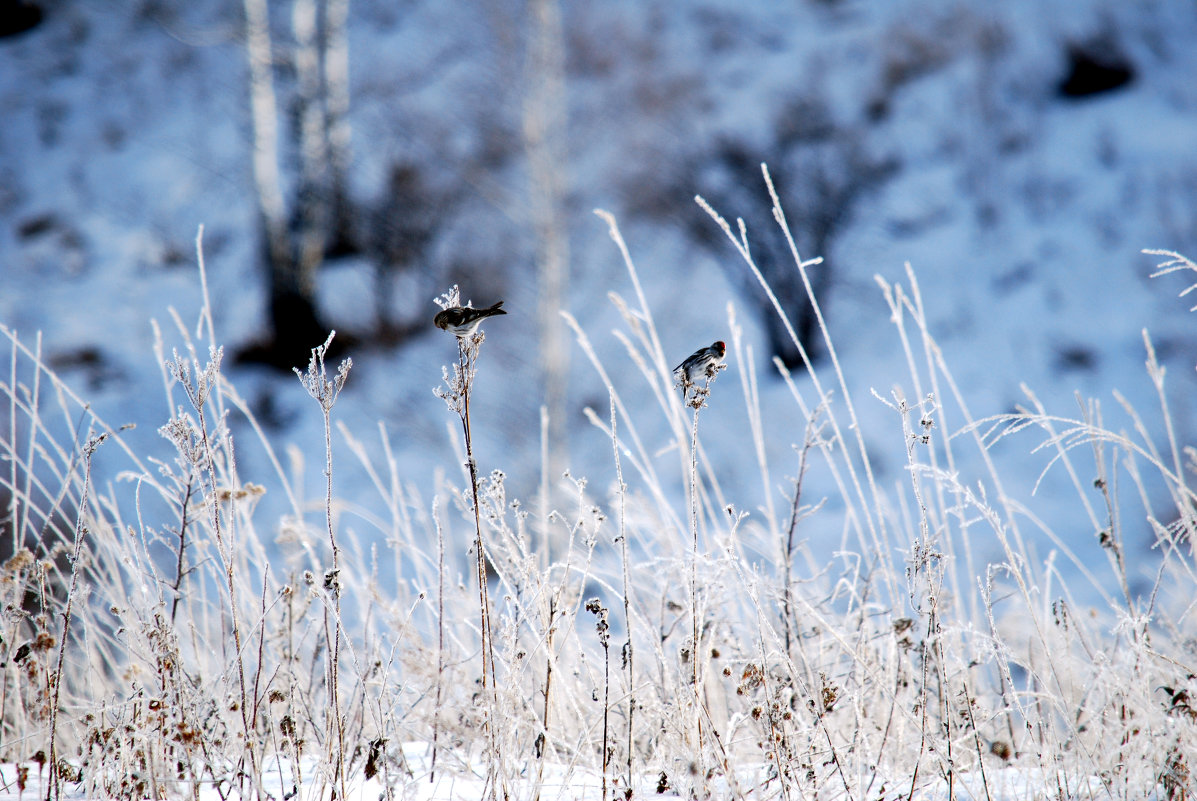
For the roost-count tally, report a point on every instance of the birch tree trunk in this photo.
(294, 323)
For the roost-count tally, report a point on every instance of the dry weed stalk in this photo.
(325, 392)
(457, 395)
(628, 652)
(54, 788)
(199, 390)
(695, 397)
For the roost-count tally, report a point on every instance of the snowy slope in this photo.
(1022, 213)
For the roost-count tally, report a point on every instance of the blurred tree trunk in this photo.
(335, 58)
(271, 209)
(322, 71)
(314, 196)
(543, 133)
(295, 249)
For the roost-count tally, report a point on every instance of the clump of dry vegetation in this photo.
(157, 640)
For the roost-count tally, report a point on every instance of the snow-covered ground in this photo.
(421, 786)
(1023, 214)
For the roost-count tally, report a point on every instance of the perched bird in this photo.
(701, 364)
(464, 320)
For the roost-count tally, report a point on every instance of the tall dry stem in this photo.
(53, 787)
(695, 397)
(325, 392)
(457, 395)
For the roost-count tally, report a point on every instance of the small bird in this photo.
(702, 363)
(464, 320)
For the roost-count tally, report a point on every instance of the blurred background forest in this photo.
(348, 161)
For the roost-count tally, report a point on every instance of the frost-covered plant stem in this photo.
(603, 629)
(456, 394)
(53, 787)
(541, 743)
(467, 354)
(926, 561)
(459, 388)
(789, 611)
(696, 399)
(440, 640)
(181, 566)
(198, 392)
(628, 654)
(695, 613)
(325, 392)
